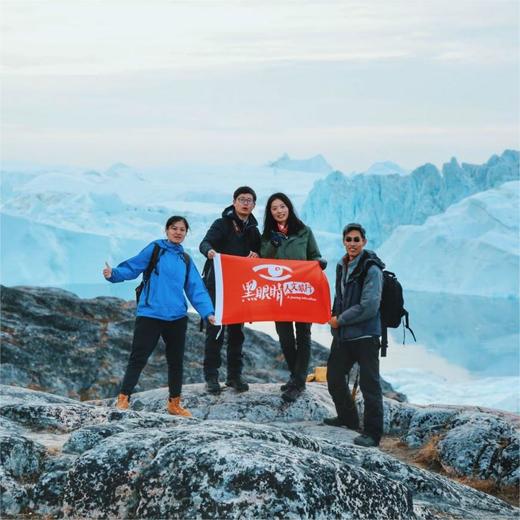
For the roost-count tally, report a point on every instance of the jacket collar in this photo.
(231, 214)
(165, 244)
(362, 262)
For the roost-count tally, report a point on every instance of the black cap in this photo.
(353, 226)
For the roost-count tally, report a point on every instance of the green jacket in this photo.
(301, 246)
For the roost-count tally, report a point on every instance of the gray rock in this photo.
(88, 437)
(20, 457)
(13, 496)
(8, 426)
(46, 496)
(43, 411)
(21, 461)
(508, 466)
(224, 470)
(425, 423)
(243, 455)
(474, 446)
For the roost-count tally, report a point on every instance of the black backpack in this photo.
(392, 305)
(392, 308)
(152, 266)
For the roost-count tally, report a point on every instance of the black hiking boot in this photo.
(238, 384)
(366, 441)
(287, 385)
(292, 393)
(213, 386)
(351, 424)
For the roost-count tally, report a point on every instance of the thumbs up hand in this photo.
(107, 271)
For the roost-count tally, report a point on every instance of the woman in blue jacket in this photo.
(162, 309)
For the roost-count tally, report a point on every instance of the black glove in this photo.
(277, 238)
(323, 263)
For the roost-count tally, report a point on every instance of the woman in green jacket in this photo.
(285, 236)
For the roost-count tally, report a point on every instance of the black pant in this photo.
(213, 346)
(146, 335)
(296, 350)
(342, 356)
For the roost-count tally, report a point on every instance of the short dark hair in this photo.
(174, 219)
(354, 226)
(244, 189)
(294, 224)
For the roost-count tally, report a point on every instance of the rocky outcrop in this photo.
(477, 443)
(59, 343)
(482, 446)
(242, 455)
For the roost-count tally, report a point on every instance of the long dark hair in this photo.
(294, 224)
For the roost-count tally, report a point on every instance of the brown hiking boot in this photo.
(175, 408)
(122, 402)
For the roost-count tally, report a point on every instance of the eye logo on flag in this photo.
(275, 272)
(250, 289)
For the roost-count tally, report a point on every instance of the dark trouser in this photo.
(213, 346)
(342, 356)
(146, 335)
(296, 350)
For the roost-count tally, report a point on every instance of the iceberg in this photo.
(316, 164)
(385, 168)
(473, 248)
(48, 216)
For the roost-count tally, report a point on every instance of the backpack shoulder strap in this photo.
(367, 264)
(339, 273)
(187, 261)
(154, 259)
(153, 262)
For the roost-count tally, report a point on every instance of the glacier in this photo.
(383, 202)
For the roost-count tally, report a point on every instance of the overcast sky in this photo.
(155, 83)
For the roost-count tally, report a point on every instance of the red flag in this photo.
(265, 289)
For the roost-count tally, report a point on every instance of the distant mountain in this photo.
(316, 164)
(383, 202)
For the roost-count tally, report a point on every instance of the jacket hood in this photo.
(372, 258)
(230, 213)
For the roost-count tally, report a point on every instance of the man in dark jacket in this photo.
(356, 327)
(235, 233)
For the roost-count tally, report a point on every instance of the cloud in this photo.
(68, 38)
(125, 80)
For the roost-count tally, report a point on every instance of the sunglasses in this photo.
(352, 239)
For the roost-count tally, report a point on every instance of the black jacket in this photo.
(231, 236)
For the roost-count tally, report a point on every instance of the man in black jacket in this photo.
(356, 327)
(235, 233)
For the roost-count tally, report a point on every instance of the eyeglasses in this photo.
(352, 239)
(246, 202)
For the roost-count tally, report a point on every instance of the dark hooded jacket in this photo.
(231, 236)
(357, 298)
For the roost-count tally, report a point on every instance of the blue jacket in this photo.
(166, 298)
